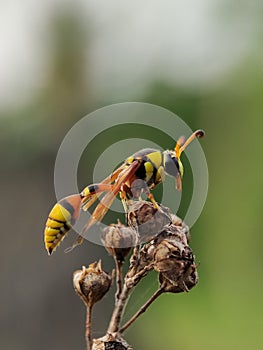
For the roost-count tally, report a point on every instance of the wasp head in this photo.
(174, 167)
(171, 160)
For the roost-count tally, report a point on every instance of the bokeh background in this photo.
(202, 60)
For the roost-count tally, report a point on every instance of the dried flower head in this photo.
(118, 240)
(147, 220)
(184, 278)
(91, 283)
(181, 224)
(175, 262)
(111, 342)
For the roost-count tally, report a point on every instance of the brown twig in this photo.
(134, 258)
(118, 264)
(133, 280)
(142, 309)
(129, 284)
(119, 309)
(88, 328)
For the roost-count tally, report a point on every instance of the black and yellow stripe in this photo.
(151, 169)
(61, 218)
(89, 192)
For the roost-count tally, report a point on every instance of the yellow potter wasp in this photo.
(140, 173)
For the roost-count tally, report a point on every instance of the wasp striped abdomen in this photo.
(60, 220)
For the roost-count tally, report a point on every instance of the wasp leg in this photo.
(78, 241)
(152, 199)
(124, 201)
(156, 205)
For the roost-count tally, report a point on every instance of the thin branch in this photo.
(88, 328)
(118, 264)
(121, 302)
(134, 259)
(135, 279)
(142, 309)
(119, 309)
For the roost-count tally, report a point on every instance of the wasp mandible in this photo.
(140, 173)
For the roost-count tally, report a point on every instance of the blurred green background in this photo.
(202, 60)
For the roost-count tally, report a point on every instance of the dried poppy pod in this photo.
(147, 219)
(91, 283)
(118, 240)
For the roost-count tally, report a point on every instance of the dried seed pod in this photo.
(140, 264)
(147, 219)
(179, 222)
(91, 283)
(172, 233)
(176, 220)
(118, 240)
(174, 261)
(182, 279)
(111, 342)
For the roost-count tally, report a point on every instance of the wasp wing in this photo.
(87, 201)
(107, 200)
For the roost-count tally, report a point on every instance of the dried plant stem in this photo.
(118, 264)
(134, 260)
(88, 328)
(119, 309)
(135, 279)
(122, 300)
(142, 309)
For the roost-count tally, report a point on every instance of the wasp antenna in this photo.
(178, 146)
(69, 249)
(198, 133)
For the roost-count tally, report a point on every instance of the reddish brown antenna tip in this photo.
(200, 133)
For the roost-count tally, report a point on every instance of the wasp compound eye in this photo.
(171, 165)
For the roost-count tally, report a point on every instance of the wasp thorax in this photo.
(118, 240)
(147, 219)
(91, 283)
